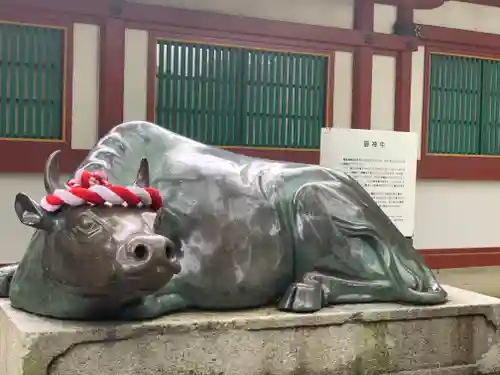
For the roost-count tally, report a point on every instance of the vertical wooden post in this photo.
(403, 74)
(363, 66)
(112, 74)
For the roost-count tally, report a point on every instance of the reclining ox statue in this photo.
(233, 232)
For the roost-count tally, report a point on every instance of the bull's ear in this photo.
(30, 213)
(142, 178)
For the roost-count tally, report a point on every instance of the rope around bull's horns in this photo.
(93, 188)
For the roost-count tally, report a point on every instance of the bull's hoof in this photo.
(302, 298)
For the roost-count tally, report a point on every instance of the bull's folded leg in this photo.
(318, 290)
(153, 307)
(6, 275)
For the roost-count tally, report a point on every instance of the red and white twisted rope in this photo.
(93, 188)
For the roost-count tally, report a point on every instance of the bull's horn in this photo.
(51, 174)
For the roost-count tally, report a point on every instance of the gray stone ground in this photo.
(458, 338)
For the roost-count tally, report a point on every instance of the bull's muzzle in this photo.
(149, 260)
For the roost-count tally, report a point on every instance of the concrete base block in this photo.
(458, 338)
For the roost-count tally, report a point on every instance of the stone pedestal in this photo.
(459, 338)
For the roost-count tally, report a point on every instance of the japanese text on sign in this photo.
(383, 179)
(380, 144)
(382, 162)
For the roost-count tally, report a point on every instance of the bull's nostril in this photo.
(169, 251)
(141, 252)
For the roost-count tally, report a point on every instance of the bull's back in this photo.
(234, 254)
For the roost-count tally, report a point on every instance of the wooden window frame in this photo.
(479, 144)
(62, 125)
(455, 167)
(187, 35)
(328, 88)
(29, 155)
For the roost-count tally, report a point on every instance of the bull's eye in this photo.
(88, 226)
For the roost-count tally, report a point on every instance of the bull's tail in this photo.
(426, 289)
(6, 275)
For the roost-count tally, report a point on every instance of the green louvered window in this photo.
(464, 108)
(241, 97)
(31, 81)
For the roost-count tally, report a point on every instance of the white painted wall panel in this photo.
(457, 214)
(462, 15)
(338, 13)
(135, 75)
(383, 92)
(417, 92)
(342, 90)
(16, 236)
(85, 86)
(385, 17)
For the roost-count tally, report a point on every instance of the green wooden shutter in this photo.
(454, 105)
(197, 91)
(240, 97)
(284, 99)
(490, 108)
(31, 81)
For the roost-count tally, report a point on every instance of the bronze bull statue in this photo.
(234, 232)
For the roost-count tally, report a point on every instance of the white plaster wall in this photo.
(383, 92)
(385, 17)
(338, 13)
(417, 92)
(135, 75)
(457, 214)
(85, 86)
(461, 15)
(342, 90)
(15, 236)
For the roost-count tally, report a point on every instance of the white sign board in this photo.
(383, 162)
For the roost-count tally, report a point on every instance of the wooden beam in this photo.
(413, 4)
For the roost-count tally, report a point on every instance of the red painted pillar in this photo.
(403, 74)
(362, 66)
(111, 74)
